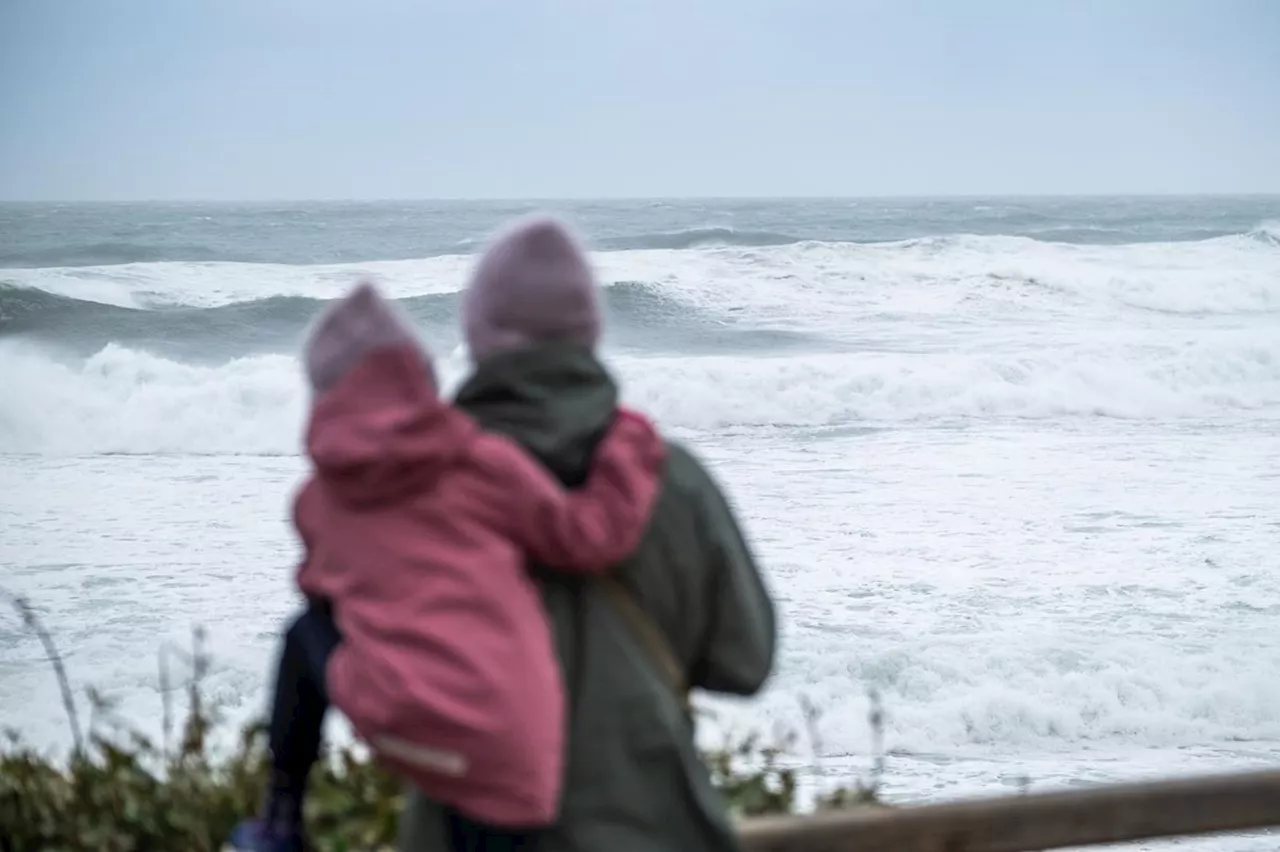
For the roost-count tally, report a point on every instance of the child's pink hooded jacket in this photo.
(417, 527)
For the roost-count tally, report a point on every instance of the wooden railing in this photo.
(1035, 821)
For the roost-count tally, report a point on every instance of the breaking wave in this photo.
(198, 357)
(122, 400)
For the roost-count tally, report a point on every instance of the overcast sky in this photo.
(247, 99)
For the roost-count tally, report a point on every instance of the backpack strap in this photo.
(650, 637)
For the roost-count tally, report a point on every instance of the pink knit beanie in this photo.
(349, 330)
(533, 285)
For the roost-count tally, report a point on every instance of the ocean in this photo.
(1014, 464)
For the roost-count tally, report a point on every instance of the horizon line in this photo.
(581, 199)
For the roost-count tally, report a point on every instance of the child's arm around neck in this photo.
(591, 528)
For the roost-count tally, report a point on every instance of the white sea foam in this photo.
(1066, 604)
(131, 402)
(122, 400)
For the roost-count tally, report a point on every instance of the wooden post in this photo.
(1096, 816)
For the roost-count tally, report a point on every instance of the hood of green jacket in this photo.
(556, 400)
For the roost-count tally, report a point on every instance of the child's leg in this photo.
(297, 718)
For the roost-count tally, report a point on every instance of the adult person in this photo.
(688, 609)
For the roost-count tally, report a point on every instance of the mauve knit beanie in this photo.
(349, 330)
(532, 285)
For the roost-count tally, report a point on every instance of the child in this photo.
(424, 627)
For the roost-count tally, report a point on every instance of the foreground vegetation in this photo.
(125, 792)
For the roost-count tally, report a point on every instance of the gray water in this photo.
(1012, 463)
(36, 235)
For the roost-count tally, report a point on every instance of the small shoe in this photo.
(256, 835)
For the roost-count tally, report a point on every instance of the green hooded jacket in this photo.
(634, 781)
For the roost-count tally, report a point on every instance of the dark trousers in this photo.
(297, 716)
(297, 723)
